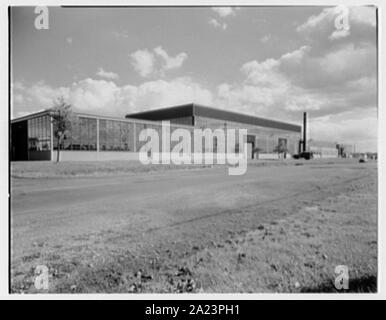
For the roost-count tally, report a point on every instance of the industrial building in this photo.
(95, 137)
(323, 149)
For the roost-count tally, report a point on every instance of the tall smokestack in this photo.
(305, 131)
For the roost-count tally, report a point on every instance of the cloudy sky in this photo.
(273, 62)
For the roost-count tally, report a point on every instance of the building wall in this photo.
(65, 155)
(104, 138)
(134, 156)
(266, 138)
(320, 152)
(322, 149)
(31, 139)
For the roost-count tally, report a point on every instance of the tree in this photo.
(62, 119)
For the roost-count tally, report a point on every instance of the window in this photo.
(115, 135)
(81, 136)
(87, 134)
(39, 134)
(102, 135)
(139, 127)
(282, 144)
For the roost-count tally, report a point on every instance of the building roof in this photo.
(192, 109)
(30, 116)
(95, 116)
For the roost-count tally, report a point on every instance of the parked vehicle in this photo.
(304, 155)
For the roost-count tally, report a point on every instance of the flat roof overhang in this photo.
(193, 109)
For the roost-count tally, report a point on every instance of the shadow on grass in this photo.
(365, 284)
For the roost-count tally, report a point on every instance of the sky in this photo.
(273, 62)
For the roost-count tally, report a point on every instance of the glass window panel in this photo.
(44, 128)
(37, 134)
(30, 135)
(124, 136)
(40, 128)
(93, 134)
(130, 136)
(48, 127)
(75, 138)
(29, 128)
(102, 135)
(83, 138)
(117, 134)
(67, 139)
(36, 127)
(32, 128)
(138, 128)
(110, 135)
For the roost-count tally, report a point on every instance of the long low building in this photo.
(94, 137)
(323, 149)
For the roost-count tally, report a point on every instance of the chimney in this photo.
(305, 131)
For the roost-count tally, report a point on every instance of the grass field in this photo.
(48, 169)
(108, 227)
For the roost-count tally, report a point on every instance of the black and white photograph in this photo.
(197, 149)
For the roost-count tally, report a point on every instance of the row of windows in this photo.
(113, 136)
(81, 136)
(117, 136)
(39, 134)
(267, 138)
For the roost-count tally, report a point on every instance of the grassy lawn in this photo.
(48, 169)
(268, 231)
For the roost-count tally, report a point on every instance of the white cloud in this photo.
(347, 63)
(356, 126)
(155, 62)
(107, 74)
(340, 83)
(297, 81)
(120, 34)
(33, 98)
(266, 38)
(171, 62)
(317, 21)
(106, 97)
(304, 68)
(295, 57)
(364, 83)
(338, 34)
(363, 15)
(224, 12)
(304, 101)
(263, 73)
(143, 62)
(325, 22)
(214, 23)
